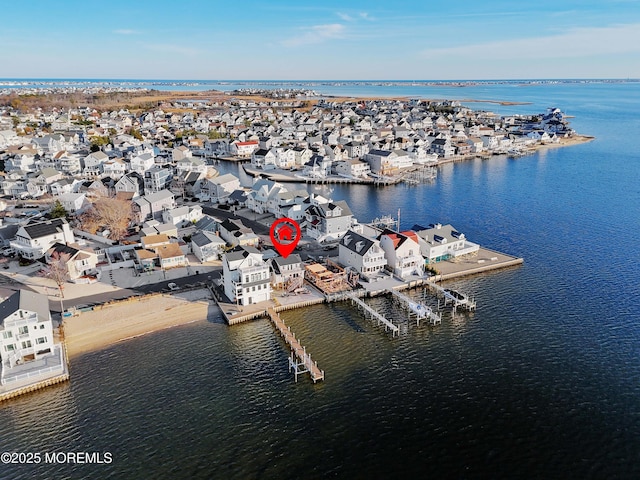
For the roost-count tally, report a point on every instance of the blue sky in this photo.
(278, 39)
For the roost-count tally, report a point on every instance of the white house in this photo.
(80, 261)
(93, 164)
(361, 253)
(26, 337)
(73, 202)
(246, 276)
(441, 242)
(328, 221)
(236, 233)
(287, 273)
(34, 239)
(353, 168)
(141, 163)
(182, 216)
(244, 149)
(207, 246)
(217, 188)
(402, 251)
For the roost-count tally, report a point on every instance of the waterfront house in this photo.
(442, 242)
(361, 253)
(180, 153)
(207, 246)
(287, 273)
(26, 338)
(381, 162)
(353, 168)
(265, 159)
(328, 221)
(402, 251)
(34, 239)
(317, 167)
(243, 149)
(246, 276)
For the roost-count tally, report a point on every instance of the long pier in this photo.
(419, 309)
(299, 361)
(370, 312)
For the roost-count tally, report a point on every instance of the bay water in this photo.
(542, 381)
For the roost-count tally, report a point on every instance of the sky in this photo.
(327, 40)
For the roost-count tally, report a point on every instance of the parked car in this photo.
(173, 287)
(7, 251)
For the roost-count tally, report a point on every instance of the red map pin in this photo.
(285, 235)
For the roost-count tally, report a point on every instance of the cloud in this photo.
(173, 49)
(316, 34)
(126, 31)
(578, 42)
(350, 18)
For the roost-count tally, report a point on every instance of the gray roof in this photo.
(206, 238)
(25, 300)
(206, 223)
(356, 242)
(44, 228)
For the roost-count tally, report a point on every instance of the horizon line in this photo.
(114, 79)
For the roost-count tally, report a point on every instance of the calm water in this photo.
(542, 381)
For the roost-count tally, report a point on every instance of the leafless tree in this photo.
(108, 212)
(58, 271)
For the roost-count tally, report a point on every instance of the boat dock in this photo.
(369, 312)
(299, 361)
(453, 297)
(419, 309)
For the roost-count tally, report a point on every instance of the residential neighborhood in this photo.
(137, 198)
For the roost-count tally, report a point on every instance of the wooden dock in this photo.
(419, 309)
(299, 361)
(371, 313)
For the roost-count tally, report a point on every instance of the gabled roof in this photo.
(44, 228)
(356, 243)
(25, 300)
(206, 238)
(278, 262)
(206, 222)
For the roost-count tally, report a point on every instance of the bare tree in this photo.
(108, 212)
(58, 271)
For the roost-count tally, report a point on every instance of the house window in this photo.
(41, 340)
(7, 334)
(23, 330)
(9, 348)
(26, 344)
(42, 326)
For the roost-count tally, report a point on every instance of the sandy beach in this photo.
(101, 328)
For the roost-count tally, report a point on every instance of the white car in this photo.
(173, 287)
